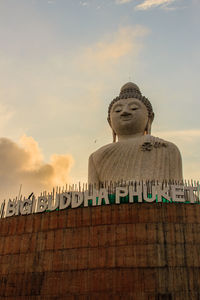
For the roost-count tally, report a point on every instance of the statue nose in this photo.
(125, 113)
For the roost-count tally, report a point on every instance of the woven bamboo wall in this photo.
(127, 251)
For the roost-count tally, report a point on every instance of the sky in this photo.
(61, 64)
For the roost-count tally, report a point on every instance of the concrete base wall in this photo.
(128, 251)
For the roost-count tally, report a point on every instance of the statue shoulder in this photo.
(150, 142)
(95, 161)
(101, 151)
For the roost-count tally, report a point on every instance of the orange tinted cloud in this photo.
(22, 163)
(112, 48)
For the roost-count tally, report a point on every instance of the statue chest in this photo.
(133, 161)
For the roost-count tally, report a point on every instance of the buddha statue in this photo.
(134, 154)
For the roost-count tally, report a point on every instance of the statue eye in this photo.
(134, 108)
(118, 110)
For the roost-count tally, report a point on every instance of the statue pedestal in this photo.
(128, 251)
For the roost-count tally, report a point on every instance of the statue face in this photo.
(128, 116)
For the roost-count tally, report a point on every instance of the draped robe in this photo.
(139, 158)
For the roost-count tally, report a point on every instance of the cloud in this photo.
(123, 1)
(84, 3)
(51, 98)
(112, 48)
(22, 163)
(148, 4)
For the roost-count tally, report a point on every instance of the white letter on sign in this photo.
(177, 192)
(163, 193)
(42, 204)
(10, 211)
(121, 192)
(77, 199)
(135, 191)
(103, 194)
(90, 195)
(65, 200)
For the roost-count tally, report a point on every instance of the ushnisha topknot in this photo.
(131, 90)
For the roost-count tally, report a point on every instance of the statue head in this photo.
(130, 113)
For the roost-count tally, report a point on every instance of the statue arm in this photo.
(176, 172)
(174, 156)
(93, 177)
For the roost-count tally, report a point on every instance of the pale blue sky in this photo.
(63, 61)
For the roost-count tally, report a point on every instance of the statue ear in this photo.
(113, 132)
(148, 126)
(114, 136)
